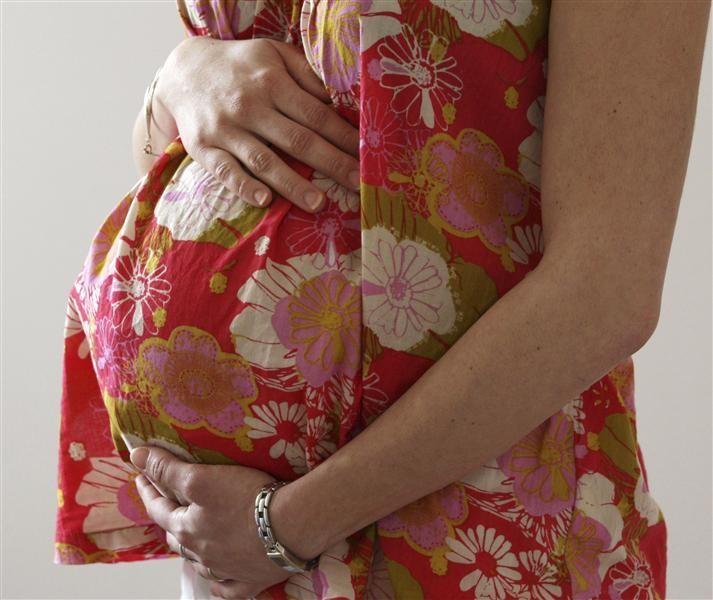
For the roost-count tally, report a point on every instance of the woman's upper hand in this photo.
(230, 98)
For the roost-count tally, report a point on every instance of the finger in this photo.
(310, 148)
(168, 472)
(263, 163)
(213, 575)
(301, 71)
(226, 169)
(167, 514)
(307, 110)
(174, 545)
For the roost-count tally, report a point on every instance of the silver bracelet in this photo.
(148, 110)
(277, 552)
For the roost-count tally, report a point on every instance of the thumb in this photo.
(161, 467)
(138, 457)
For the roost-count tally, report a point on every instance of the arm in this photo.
(616, 143)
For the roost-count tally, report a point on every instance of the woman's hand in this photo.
(213, 519)
(230, 98)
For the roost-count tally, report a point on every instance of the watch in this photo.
(277, 552)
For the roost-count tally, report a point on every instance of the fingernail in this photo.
(261, 197)
(138, 457)
(354, 179)
(313, 200)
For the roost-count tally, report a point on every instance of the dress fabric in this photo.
(271, 337)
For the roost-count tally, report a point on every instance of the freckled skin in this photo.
(604, 196)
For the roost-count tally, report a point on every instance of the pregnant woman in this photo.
(370, 268)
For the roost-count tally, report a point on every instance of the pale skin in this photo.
(231, 99)
(621, 99)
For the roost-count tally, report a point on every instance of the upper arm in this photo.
(621, 99)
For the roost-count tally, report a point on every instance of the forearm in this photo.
(542, 344)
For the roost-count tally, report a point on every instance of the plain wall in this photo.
(74, 76)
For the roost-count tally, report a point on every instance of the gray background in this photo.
(74, 75)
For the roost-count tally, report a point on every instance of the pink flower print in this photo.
(542, 466)
(632, 579)
(333, 50)
(194, 384)
(321, 322)
(111, 356)
(105, 239)
(326, 234)
(427, 522)
(136, 293)
(422, 78)
(408, 175)
(117, 518)
(471, 192)
(586, 540)
(194, 201)
(379, 137)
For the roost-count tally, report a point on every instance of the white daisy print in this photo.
(284, 421)
(495, 566)
(77, 451)
(137, 292)
(421, 75)
(528, 242)
(261, 245)
(405, 290)
(542, 579)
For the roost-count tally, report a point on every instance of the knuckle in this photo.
(223, 171)
(299, 140)
(307, 68)
(314, 115)
(286, 182)
(337, 166)
(266, 78)
(242, 188)
(157, 466)
(182, 535)
(239, 104)
(193, 481)
(202, 548)
(258, 160)
(199, 144)
(348, 137)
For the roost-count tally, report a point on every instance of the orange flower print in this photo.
(472, 192)
(427, 523)
(194, 384)
(586, 540)
(321, 322)
(542, 467)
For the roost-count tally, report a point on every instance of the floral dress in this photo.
(270, 337)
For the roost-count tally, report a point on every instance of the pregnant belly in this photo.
(225, 332)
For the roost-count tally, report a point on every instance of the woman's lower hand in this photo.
(213, 519)
(230, 98)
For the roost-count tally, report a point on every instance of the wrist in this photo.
(163, 122)
(293, 524)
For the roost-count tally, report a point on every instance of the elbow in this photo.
(641, 322)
